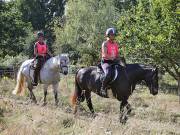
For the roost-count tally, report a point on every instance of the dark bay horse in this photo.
(138, 73)
(88, 79)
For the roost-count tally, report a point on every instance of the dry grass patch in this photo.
(151, 115)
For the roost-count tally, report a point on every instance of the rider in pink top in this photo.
(110, 54)
(41, 54)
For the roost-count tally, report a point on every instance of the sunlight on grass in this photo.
(152, 115)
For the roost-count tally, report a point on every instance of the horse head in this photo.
(64, 61)
(151, 80)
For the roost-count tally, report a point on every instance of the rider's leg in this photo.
(107, 76)
(36, 71)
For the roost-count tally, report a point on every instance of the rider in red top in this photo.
(41, 54)
(110, 54)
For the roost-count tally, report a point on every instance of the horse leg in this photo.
(80, 98)
(123, 104)
(125, 109)
(32, 96)
(45, 87)
(89, 102)
(55, 90)
(128, 106)
(77, 97)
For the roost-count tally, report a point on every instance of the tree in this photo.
(154, 34)
(13, 30)
(41, 13)
(84, 28)
(122, 5)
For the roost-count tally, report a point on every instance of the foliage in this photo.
(19, 17)
(13, 61)
(124, 4)
(41, 15)
(153, 27)
(83, 32)
(13, 30)
(40, 12)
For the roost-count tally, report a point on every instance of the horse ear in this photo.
(156, 69)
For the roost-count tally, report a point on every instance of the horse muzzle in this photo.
(154, 92)
(65, 72)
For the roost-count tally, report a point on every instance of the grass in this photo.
(151, 115)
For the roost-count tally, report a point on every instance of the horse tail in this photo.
(20, 85)
(78, 95)
(74, 99)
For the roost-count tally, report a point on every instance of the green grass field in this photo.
(151, 115)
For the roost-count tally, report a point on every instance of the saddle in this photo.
(114, 72)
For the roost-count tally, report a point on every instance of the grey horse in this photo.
(49, 75)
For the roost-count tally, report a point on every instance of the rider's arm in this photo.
(49, 51)
(35, 50)
(104, 50)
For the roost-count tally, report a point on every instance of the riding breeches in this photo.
(40, 61)
(107, 72)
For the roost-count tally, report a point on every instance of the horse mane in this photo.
(143, 66)
(50, 61)
(55, 59)
(146, 66)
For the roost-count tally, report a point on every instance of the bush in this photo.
(12, 61)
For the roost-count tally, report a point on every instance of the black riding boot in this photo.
(35, 81)
(39, 64)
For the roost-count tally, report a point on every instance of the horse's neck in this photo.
(52, 63)
(136, 75)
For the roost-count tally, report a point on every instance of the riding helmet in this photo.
(110, 31)
(40, 34)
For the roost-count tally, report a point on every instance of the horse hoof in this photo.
(123, 119)
(56, 103)
(93, 115)
(75, 111)
(33, 102)
(44, 104)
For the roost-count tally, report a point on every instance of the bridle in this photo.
(61, 66)
(150, 81)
